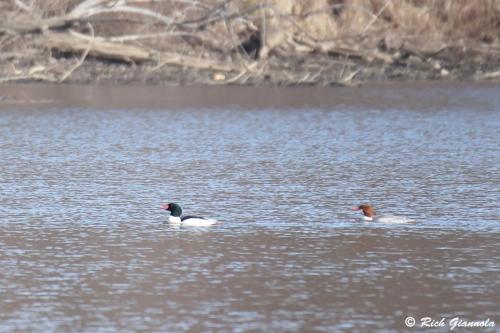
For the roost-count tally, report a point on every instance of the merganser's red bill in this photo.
(355, 208)
(166, 206)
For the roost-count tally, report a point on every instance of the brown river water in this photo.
(85, 247)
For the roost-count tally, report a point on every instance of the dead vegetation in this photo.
(248, 41)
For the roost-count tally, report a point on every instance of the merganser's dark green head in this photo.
(173, 208)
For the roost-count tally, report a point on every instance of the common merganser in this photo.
(175, 217)
(369, 215)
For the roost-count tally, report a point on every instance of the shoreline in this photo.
(277, 71)
(373, 95)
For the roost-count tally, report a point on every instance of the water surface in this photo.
(85, 247)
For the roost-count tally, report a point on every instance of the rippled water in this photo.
(84, 245)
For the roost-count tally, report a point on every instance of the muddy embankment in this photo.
(275, 42)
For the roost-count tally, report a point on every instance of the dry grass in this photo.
(460, 17)
(426, 25)
(424, 22)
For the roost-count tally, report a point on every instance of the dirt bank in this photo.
(274, 42)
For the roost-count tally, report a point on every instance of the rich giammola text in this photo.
(455, 322)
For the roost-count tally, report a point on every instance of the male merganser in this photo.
(369, 215)
(175, 217)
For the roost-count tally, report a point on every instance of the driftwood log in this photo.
(67, 42)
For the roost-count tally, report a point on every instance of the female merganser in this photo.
(175, 217)
(368, 212)
(369, 215)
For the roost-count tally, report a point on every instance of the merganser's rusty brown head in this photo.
(368, 210)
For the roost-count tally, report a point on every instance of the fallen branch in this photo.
(367, 56)
(37, 26)
(120, 8)
(39, 77)
(24, 7)
(246, 70)
(347, 80)
(182, 60)
(82, 58)
(489, 76)
(65, 42)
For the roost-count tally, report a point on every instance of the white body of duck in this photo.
(369, 216)
(176, 218)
